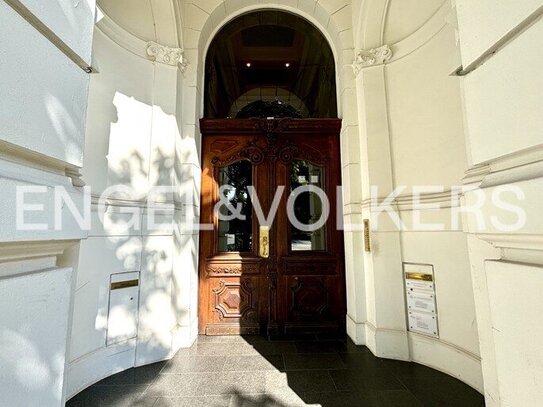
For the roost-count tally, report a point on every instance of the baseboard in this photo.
(447, 358)
(184, 336)
(356, 331)
(387, 343)
(95, 366)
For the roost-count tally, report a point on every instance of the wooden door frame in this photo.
(271, 129)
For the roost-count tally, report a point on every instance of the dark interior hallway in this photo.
(252, 371)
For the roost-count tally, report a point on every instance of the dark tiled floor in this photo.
(252, 371)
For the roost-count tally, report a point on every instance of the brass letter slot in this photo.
(367, 239)
(124, 284)
(264, 242)
(419, 276)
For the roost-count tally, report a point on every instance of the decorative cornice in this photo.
(18, 251)
(371, 57)
(516, 167)
(167, 55)
(406, 202)
(514, 241)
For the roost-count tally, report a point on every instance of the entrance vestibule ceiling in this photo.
(270, 52)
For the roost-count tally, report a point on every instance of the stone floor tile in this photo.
(250, 339)
(189, 364)
(362, 380)
(140, 375)
(321, 347)
(208, 401)
(397, 398)
(300, 381)
(442, 391)
(232, 383)
(225, 349)
(313, 361)
(175, 385)
(275, 348)
(118, 396)
(285, 399)
(363, 360)
(338, 399)
(253, 363)
(252, 371)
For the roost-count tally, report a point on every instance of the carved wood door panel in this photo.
(298, 284)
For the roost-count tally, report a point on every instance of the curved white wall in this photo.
(428, 149)
(134, 138)
(408, 108)
(412, 127)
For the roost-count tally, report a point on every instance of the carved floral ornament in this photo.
(167, 55)
(371, 57)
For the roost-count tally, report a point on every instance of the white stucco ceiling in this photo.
(135, 16)
(407, 16)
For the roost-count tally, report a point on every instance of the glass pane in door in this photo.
(308, 207)
(235, 234)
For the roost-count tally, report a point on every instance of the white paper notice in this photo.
(230, 239)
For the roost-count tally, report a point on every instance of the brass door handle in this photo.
(264, 240)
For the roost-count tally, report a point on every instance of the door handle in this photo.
(264, 240)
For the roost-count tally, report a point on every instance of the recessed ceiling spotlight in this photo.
(248, 64)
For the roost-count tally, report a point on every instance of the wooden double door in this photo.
(271, 256)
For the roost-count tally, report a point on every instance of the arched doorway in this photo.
(270, 56)
(273, 259)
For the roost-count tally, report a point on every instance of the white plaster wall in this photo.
(118, 253)
(44, 94)
(428, 149)
(513, 75)
(34, 319)
(42, 118)
(425, 112)
(119, 119)
(412, 131)
(135, 139)
(502, 109)
(485, 22)
(72, 21)
(515, 305)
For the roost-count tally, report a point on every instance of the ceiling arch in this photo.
(270, 50)
(148, 20)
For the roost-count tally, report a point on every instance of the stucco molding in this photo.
(448, 198)
(514, 241)
(20, 251)
(167, 55)
(516, 167)
(371, 57)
